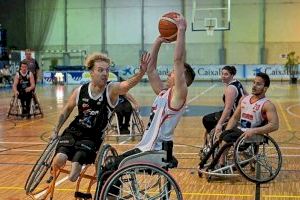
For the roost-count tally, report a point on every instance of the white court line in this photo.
(37, 150)
(56, 184)
(123, 142)
(23, 142)
(288, 109)
(202, 93)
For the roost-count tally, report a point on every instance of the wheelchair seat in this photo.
(158, 158)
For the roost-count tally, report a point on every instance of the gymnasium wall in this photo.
(123, 31)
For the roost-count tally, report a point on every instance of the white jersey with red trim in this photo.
(251, 113)
(162, 122)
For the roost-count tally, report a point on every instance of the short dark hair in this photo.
(23, 62)
(231, 69)
(189, 74)
(265, 77)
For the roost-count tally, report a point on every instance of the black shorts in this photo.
(231, 135)
(78, 149)
(210, 121)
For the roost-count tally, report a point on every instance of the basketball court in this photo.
(22, 141)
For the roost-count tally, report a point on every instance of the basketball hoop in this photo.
(210, 30)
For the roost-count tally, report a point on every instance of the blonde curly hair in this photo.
(94, 57)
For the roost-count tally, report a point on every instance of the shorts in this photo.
(210, 120)
(231, 135)
(78, 149)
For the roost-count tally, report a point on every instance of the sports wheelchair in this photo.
(258, 159)
(135, 179)
(40, 186)
(140, 176)
(15, 107)
(136, 126)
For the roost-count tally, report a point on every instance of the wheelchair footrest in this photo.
(83, 195)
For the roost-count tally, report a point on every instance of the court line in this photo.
(183, 193)
(285, 117)
(56, 184)
(34, 150)
(117, 144)
(202, 93)
(290, 112)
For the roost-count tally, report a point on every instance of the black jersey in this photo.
(93, 114)
(24, 82)
(240, 92)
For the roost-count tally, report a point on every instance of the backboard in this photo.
(210, 16)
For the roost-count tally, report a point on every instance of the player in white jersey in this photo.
(255, 113)
(169, 104)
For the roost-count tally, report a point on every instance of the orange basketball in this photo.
(167, 27)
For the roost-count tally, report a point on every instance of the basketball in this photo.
(167, 27)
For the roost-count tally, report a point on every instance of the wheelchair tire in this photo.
(41, 167)
(152, 182)
(258, 161)
(106, 150)
(137, 123)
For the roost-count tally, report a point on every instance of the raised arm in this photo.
(121, 88)
(273, 122)
(154, 79)
(180, 88)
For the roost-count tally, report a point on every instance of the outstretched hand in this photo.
(163, 40)
(145, 60)
(180, 22)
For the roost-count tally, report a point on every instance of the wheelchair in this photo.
(15, 107)
(40, 186)
(258, 159)
(130, 178)
(136, 126)
(139, 176)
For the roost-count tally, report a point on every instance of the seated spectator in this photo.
(6, 74)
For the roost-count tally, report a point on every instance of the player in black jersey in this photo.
(95, 101)
(124, 110)
(23, 87)
(232, 94)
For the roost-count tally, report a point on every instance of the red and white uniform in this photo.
(251, 113)
(162, 122)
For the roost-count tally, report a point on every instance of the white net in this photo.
(210, 30)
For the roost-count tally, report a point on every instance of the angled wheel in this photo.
(141, 181)
(41, 167)
(258, 159)
(137, 124)
(105, 152)
(113, 126)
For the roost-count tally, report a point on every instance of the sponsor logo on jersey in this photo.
(247, 116)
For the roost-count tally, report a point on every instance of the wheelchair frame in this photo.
(15, 107)
(165, 183)
(44, 163)
(149, 166)
(137, 127)
(250, 157)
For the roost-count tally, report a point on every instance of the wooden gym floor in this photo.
(22, 141)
